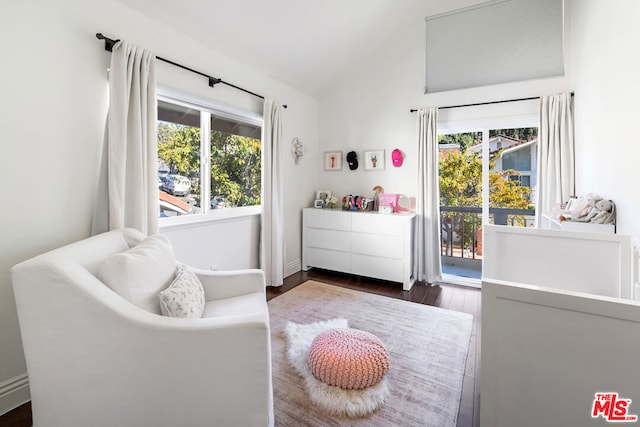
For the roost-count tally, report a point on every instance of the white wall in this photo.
(606, 104)
(369, 109)
(220, 245)
(54, 101)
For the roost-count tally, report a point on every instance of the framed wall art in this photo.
(374, 160)
(333, 160)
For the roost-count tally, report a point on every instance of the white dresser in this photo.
(363, 243)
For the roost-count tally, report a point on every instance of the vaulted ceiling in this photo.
(306, 44)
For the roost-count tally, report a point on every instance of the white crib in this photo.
(559, 324)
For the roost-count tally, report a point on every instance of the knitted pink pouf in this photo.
(348, 358)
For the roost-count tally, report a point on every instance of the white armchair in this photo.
(95, 358)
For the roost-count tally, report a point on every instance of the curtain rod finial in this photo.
(108, 43)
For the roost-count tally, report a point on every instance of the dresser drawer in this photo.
(328, 239)
(331, 260)
(327, 219)
(380, 268)
(377, 245)
(390, 225)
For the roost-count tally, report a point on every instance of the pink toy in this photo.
(348, 358)
(387, 199)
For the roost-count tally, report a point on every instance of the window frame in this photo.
(208, 108)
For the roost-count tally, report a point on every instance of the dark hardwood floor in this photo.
(452, 297)
(19, 417)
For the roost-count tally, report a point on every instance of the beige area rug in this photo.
(427, 349)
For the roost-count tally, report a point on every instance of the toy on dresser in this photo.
(357, 203)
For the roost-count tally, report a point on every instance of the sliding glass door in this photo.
(460, 177)
(487, 176)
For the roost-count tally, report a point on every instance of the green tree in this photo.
(523, 134)
(464, 140)
(236, 168)
(179, 148)
(460, 179)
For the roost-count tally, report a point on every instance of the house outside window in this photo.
(521, 157)
(209, 159)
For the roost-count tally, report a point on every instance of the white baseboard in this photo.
(292, 267)
(14, 392)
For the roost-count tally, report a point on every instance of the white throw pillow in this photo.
(139, 273)
(184, 297)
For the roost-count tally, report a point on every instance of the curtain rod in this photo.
(108, 46)
(413, 110)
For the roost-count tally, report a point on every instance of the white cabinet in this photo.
(363, 243)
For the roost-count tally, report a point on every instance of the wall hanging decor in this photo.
(352, 160)
(333, 160)
(374, 160)
(397, 157)
(298, 150)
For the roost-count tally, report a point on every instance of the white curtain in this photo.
(131, 146)
(272, 219)
(427, 251)
(556, 154)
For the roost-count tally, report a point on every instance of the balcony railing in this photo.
(462, 228)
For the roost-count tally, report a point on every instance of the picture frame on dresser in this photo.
(323, 195)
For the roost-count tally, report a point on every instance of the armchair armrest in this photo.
(229, 284)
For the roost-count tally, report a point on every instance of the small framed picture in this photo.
(323, 195)
(318, 204)
(333, 160)
(374, 160)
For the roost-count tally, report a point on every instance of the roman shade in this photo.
(495, 42)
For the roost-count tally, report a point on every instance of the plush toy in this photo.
(580, 207)
(601, 212)
(604, 212)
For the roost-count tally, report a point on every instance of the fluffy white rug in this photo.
(335, 400)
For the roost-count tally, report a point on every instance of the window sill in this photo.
(219, 215)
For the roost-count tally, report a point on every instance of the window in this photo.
(512, 176)
(519, 160)
(209, 158)
(494, 42)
